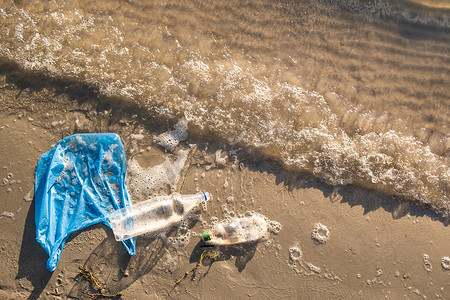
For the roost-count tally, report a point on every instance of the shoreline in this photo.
(74, 96)
(372, 236)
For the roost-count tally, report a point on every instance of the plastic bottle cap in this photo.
(206, 236)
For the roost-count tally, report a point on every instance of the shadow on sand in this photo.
(110, 262)
(115, 269)
(370, 200)
(33, 258)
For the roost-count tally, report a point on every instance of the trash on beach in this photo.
(153, 215)
(78, 183)
(240, 230)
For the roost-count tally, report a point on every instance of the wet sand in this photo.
(375, 250)
(350, 91)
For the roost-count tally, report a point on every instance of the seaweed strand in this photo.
(206, 253)
(91, 278)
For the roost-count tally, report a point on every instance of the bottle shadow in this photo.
(110, 262)
(242, 252)
(205, 255)
(114, 268)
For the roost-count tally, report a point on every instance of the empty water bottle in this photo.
(240, 230)
(153, 215)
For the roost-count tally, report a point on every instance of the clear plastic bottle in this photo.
(153, 215)
(240, 230)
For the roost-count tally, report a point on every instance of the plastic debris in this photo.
(153, 215)
(240, 230)
(78, 183)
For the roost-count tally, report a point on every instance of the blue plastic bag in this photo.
(78, 184)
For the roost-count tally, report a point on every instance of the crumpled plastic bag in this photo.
(78, 183)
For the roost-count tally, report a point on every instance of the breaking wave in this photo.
(317, 87)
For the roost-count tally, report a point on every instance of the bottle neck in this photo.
(199, 197)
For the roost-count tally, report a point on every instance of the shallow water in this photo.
(354, 92)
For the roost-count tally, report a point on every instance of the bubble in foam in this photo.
(295, 254)
(183, 228)
(204, 206)
(445, 262)
(313, 268)
(320, 233)
(170, 139)
(426, 263)
(214, 221)
(274, 226)
(181, 239)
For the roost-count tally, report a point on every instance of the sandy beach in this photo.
(378, 247)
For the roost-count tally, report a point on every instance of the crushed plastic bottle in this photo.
(240, 230)
(153, 215)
